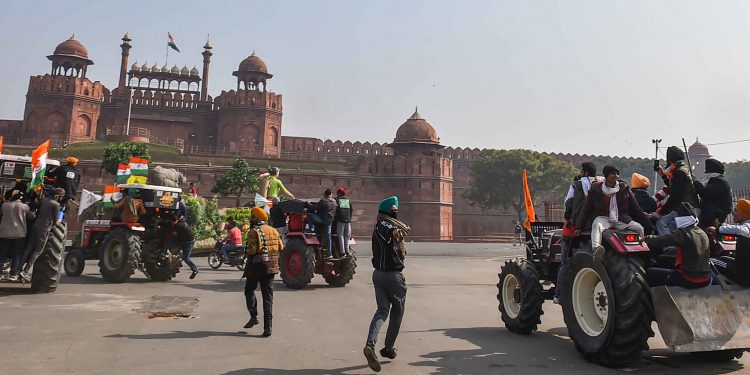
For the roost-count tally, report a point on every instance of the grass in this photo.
(167, 154)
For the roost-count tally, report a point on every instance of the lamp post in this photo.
(656, 157)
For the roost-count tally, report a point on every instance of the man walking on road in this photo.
(388, 252)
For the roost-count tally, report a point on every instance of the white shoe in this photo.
(13, 278)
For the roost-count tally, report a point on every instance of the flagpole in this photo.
(130, 110)
(166, 63)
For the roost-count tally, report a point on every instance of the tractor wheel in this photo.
(297, 264)
(607, 308)
(46, 273)
(520, 297)
(119, 254)
(74, 263)
(242, 261)
(343, 273)
(721, 355)
(215, 260)
(158, 267)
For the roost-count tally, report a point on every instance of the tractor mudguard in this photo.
(703, 319)
(618, 242)
(307, 238)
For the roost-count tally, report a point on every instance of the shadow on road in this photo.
(181, 335)
(502, 351)
(236, 285)
(340, 371)
(97, 279)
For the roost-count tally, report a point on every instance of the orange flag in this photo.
(530, 215)
(1, 144)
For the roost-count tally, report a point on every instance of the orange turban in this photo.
(743, 207)
(639, 181)
(72, 160)
(259, 213)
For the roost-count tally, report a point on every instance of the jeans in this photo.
(563, 262)
(228, 247)
(390, 295)
(321, 223)
(344, 232)
(266, 290)
(602, 222)
(187, 249)
(12, 247)
(666, 224)
(36, 244)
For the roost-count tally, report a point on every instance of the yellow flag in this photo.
(133, 179)
(530, 215)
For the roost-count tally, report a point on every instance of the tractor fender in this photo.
(307, 238)
(620, 246)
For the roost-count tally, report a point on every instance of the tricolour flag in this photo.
(39, 165)
(530, 215)
(138, 170)
(171, 42)
(123, 173)
(111, 193)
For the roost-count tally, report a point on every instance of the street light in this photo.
(656, 157)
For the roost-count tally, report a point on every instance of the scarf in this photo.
(399, 245)
(685, 221)
(614, 213)
(708, 176)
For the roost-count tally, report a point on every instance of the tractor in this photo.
(609, 307)
(303, 254)
(122, 247)
(46, 271)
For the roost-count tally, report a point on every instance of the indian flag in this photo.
(111, 193)
(171, 43)
(39, 165)
(138, 170)
(123, 173)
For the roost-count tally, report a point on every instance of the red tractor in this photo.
(304, 254)
(122, 247)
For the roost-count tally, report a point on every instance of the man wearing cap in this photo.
(263, 248)
(343, 220)
(388, 253)
(715, 193)
(692, 269)
(321, 214)
(679, 179)
(46, 218)
(737, 268)
(611, 204)
(67, 177)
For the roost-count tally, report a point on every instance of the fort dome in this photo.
(416, 130)
(253, 63)
(698, 149)
(72, 48)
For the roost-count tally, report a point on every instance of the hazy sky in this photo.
(601, 77)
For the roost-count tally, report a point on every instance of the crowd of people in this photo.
(28, 215)
(681, 220)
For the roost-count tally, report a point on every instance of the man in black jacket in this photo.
(322, 216)
(67, 177)
(680, 181)
(343, 220)
(47, 217)
(388, 252)
(716, 195)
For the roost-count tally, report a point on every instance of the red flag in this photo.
(530, 215)
(1, 144)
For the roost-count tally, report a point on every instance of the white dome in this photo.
(165, 69)
(175, 70)
(155, 68)
(194, 71)
(135, 66)
(185, 71)
(145, 67)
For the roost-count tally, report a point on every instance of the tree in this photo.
(738, 173)
(498, 182)
(241, 178)
(120, 153)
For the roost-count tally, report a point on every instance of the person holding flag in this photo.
(39, 165)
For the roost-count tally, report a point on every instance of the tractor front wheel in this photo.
(119, 255)
(74, 263)
(520, 297)
(297, 264)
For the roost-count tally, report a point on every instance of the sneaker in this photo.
(25, 277)
(13, 278)
(388, 353)
(251, 323)
(599, 253)
(192, 275)
(372, 358)
(4, 276)
(556, 300)
(266, 333)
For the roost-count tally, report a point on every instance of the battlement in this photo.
(249, 98)
(62, 85)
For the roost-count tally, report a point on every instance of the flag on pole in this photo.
(530, 215)
(138, 170)
(87, 200)
(39, 165)
(1, 144)
(123, 173)
(171, 42)
(111, 193)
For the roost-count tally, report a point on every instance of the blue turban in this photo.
(387, 203)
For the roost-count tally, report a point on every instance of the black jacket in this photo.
(692, 250)
(326, 208)
(343, 209)
(183, 232)
(644, 199)
(68, 178)
(716, 199)
(385, 257)
(680, 190)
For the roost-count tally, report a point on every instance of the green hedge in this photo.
(203, 217)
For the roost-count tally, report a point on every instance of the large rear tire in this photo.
(119, 254)
(520, 297)
(74, 263)
(343, 273)
(607, 308)
(158, 267)
(297, 264)
(46, 273)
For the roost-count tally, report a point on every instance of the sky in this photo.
(588, 77)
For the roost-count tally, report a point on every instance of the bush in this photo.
(120, 153)
(199, 219)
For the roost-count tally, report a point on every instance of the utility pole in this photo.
(656, 157)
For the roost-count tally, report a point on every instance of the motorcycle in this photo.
(237, 258)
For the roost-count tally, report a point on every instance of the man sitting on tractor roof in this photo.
(612, 205)
(131, 207)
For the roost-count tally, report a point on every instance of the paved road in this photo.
(452, 326)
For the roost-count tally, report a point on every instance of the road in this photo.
(452, 326)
